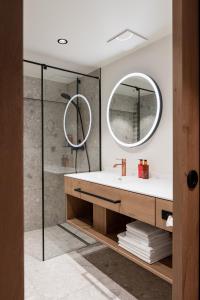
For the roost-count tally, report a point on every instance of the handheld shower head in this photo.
(66, 96)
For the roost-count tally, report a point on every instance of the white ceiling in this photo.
(88, 25)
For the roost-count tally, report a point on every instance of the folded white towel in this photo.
(163, 253)
(143, 247)
(147, 259)
(148, 251)
(155, 241)
(143, 229)
(146, 242)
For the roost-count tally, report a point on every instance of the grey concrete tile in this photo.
(32, 208)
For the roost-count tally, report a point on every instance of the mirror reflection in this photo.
(133, 110)
(77, 121)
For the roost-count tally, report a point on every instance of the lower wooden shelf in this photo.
(160, 269)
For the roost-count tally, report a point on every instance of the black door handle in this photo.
(97, 196)
(192, 179)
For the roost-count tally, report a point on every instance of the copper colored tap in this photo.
(123, 164)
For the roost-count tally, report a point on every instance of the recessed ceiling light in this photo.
(126, 35)
(62, 41)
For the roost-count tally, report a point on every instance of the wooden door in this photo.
(186, 149)
(11, 151)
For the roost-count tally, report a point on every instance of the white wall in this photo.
(154, 60)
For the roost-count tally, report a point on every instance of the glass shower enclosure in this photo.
(48, 154)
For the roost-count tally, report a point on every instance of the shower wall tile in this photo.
(53, 90)
(32, 124)
(54, 199)
(32, 208)
(71, 88)
(95, 154)
(54, 140)
(32, 168)
(32, 87)
(32, 163)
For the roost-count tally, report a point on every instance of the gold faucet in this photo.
(123, 164)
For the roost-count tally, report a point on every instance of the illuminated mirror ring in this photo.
(158, 110)
(90, 121)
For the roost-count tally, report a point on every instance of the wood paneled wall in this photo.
(186, 149)
(11, 151)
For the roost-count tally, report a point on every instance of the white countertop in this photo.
(156, 186)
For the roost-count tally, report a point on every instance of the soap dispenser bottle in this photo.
(140, 168)
(145, 174)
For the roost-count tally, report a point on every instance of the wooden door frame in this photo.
(186, 149)
(11, 151)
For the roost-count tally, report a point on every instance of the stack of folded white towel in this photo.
(146, 242)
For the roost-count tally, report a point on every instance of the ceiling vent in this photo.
(126, 35)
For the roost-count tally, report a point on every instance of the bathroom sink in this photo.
(125, 178)
(111, 177)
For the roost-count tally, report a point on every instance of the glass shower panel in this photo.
(32, 160)
(60, 157)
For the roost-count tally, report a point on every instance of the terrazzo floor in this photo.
(81, 268)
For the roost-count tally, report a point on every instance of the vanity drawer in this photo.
(165, 206)
(138, 206)
(70, 186)
(100, 195)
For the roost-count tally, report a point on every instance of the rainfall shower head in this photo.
(66, 96)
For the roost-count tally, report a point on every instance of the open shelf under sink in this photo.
(163, 268)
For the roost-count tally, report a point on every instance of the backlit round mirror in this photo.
(134, 109)
(77, 121)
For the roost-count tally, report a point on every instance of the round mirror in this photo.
(77, 121)
(134, 109)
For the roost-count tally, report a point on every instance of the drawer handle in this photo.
(97, 196)
(165, 214)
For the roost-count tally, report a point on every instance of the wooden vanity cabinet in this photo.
(71, 185)
(100, 195)
(137, 206)
(102, 212)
